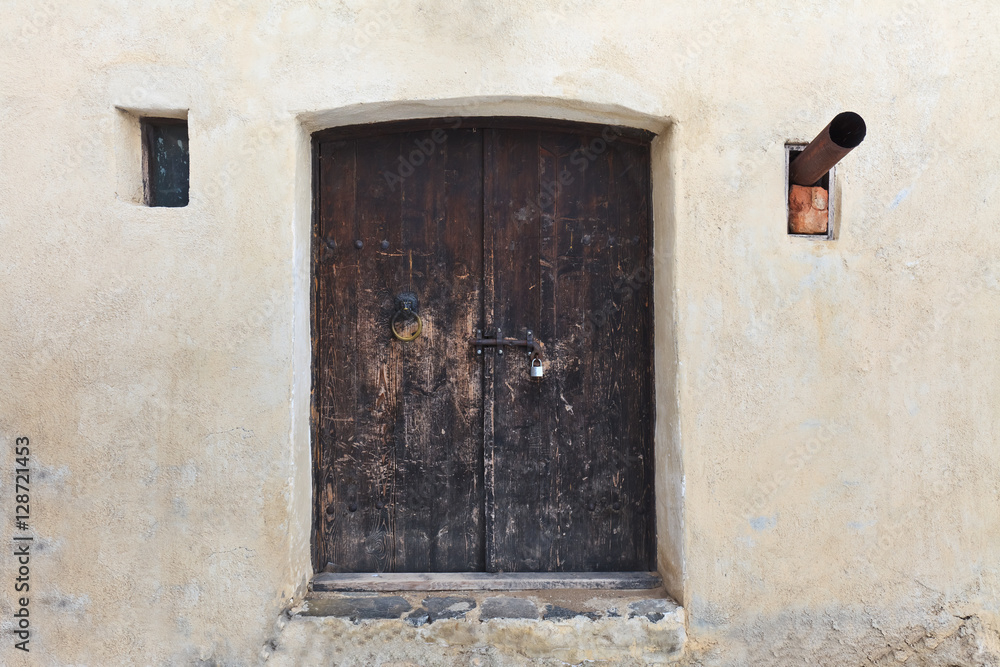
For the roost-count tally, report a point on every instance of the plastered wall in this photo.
(827, 439)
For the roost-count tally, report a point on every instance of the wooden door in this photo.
(429, 456)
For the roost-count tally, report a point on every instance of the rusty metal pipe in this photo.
(837, 139)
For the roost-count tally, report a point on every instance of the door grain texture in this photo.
(429, 457)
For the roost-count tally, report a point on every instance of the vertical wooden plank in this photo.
(521, 511)
(630, 179)
(611, 288)
(337, 276)
(586, 268)
(491, 198)
(319, 275)
(378, 364)
(563, 511)
(439, 474)
(358, 376)
(317, 538)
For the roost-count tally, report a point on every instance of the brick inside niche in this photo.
(808, 205)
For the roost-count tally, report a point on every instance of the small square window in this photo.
(165, 160)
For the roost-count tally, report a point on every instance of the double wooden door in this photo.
(439, 455)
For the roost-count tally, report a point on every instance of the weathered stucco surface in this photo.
(828, 461)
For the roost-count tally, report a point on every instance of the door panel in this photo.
(513, 307)
(572, 452)
(439, 478)
(399, 425)
(430, 457)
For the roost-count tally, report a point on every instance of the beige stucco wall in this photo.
(828, 467)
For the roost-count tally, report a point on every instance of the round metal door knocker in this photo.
(406, 306)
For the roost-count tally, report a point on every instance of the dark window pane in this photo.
(166, 157)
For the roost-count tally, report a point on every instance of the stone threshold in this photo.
(483, 581)
(418, 608)
(523, 627)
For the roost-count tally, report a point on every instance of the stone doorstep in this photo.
(418, 608)
(489, 628)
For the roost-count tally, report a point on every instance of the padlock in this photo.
(536, 368)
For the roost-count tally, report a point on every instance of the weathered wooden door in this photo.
(433, 455)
